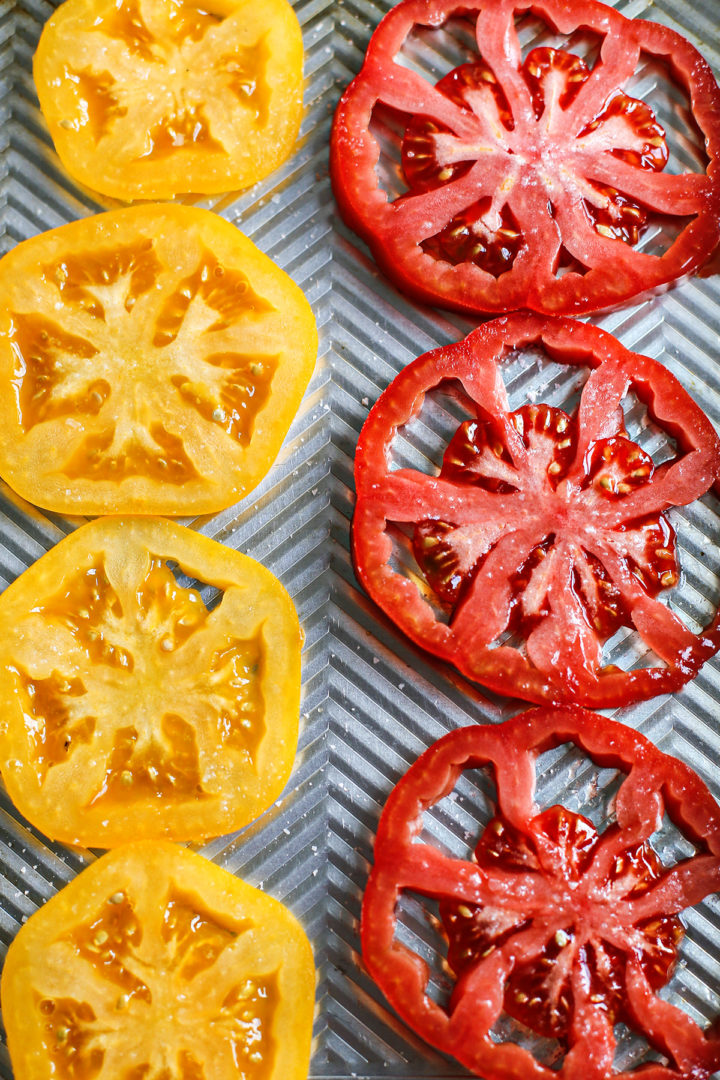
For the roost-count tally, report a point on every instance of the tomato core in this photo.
(166, 615)
(539, 993)
(487, 232)
(450, 556)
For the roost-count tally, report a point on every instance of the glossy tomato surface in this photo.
(152, 360)
(156, 962)
(150, 686)
(146, 99)
(543, 532)
(527, 176)
(565, 927)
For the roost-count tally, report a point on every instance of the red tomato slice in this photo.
(529, 181)
(543, 533)
(564, 928)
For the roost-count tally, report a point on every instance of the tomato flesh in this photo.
(139, 768)
(490, 236)
(554, 77)
(133, 703)
(481, 234)
(147, 362)
(421, 164)
(539, 993)
(192, 940)
(544, 532)
(449, 557)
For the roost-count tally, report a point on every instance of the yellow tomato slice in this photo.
(146, 99)
(149, 685)
(155, 962)
(151, 362)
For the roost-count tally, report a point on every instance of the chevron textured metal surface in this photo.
(371, 700)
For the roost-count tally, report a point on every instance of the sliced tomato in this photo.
(151, 361)
(543, 533)
(146, 99)
(566, 929)
(156, 962)
(529, 180)
(150, 686)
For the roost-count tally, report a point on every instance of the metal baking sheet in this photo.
(371, 701)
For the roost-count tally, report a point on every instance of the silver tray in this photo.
(371, 701)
